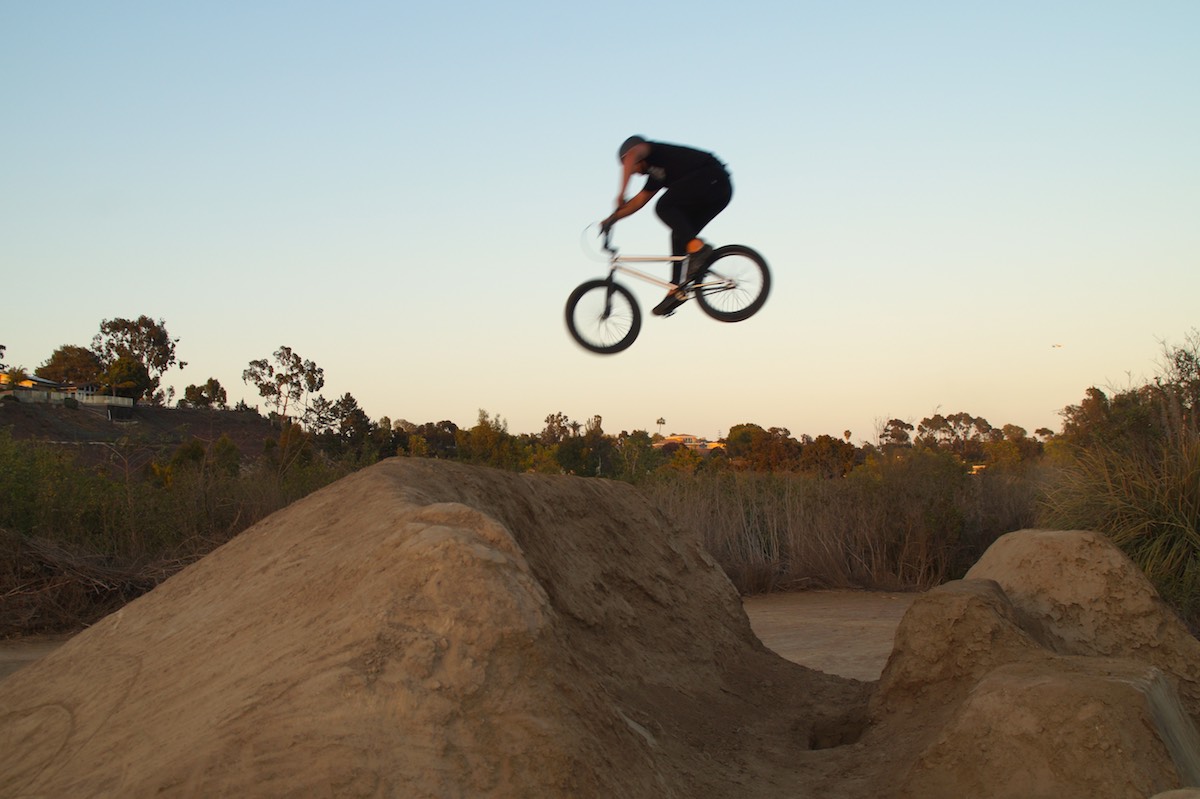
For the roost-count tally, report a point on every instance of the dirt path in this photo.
(848, 633)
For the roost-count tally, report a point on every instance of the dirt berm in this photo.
(426, 629)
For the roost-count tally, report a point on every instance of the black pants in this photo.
(691, 204)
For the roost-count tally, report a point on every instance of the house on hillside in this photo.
(701, 445)
(40, 390)
(31, 381)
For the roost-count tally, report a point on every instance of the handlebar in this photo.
(606, 241)
(588, 239)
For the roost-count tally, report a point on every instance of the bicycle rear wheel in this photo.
(603, 316)
(734, 284)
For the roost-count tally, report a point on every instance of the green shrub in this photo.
(1129, 467)
(1147, 502)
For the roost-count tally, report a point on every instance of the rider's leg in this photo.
(688, 206)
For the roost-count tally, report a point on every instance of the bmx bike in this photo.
(603, 316)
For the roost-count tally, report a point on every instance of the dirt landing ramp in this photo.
(1084, 597)
(429, 629)
(1052, 670)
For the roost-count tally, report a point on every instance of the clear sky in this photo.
(980, 207)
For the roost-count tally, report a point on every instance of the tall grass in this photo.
(901, 524)
(78, 541)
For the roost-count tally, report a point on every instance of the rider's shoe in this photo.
(697, 260)
(669, 303)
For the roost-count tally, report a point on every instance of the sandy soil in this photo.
(848, 633)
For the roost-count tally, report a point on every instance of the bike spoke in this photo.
(603, 317)
(735, 284)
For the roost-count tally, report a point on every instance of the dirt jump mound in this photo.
(423, 629)
(427, 629)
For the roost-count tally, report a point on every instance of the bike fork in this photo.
(608, 295)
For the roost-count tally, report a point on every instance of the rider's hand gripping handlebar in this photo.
(606, 239)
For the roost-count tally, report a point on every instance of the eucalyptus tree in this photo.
(143, 340)
(72, 365)
(285, 381)
(210, 395)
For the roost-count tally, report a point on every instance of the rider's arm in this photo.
(632, 162)
(630, 206)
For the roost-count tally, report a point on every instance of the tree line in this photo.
(290, 386)
(128, 358)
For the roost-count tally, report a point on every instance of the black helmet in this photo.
(629, 144)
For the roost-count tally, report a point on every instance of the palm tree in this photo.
(15, 375)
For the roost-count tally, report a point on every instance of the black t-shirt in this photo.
(667, 164)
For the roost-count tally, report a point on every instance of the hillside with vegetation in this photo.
(97, 511)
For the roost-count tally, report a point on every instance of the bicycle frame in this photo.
(616, 263)
(622, 263)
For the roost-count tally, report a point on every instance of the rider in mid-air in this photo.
(698, 189)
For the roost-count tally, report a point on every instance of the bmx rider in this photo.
(697, 189)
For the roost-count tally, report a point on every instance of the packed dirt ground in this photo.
(424, 628)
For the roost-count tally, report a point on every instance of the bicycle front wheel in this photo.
(603, 316)
(734, 284)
